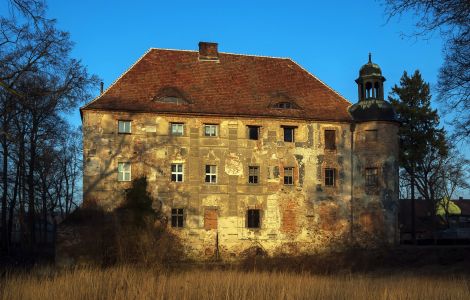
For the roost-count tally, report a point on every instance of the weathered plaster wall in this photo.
(302, 218)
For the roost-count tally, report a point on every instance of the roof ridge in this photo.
(115, 81)
(229, 53)
(331, 89)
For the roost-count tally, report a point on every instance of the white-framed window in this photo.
(124, 126)
(177, 129)
(211, 174)
(124, 171)
(211, 130)
(289, 175)
(177, 172)
(253, 174)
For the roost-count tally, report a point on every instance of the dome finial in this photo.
(370, 57)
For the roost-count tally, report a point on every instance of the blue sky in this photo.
(331, 39)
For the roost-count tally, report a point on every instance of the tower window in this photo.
(330, 139)
(372, 179)
(368, 90)
(177, 217)
(329, 177)
(371, 135)
(253, 218)
(377, 90)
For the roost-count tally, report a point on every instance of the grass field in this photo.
(140, 283)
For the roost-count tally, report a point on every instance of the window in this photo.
(253, 174)
(289, 175)
(210, 130)
(253, 220)
(372, 177)
(289, 134)
(177, 217)
(330, 139)
(371, 135)
(329, 177)
(124, 126)
(177, 129)
(177, 172)
(211, 174)
(124, 171)
(284, 105)
(253, 132)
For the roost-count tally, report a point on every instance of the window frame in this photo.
(216, 130)
(177, 217)
(333, 177)
(120, 170)
(286, 178)
(176, 133)
(124, 122)
(292, 128)
(253, 127)
(212, 175)
(253, 177)
(253, 218)
(328, 141)
(177, 172)
(369, 138)
(372, 177)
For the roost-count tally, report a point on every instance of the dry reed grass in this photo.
(138, 283)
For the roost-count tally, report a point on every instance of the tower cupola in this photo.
(371, 105)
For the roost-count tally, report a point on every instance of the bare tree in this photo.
(450, 18)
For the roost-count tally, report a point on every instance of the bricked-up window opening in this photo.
(211, 174)
(124, 171)
(330, 139)
(289, 134)
(329, 177)
(253, 132)
(371, 135)
(177, 217)
(372, 177)
(210, 130)
(124, 126)
(253, 174)
(177, 172)
(177, 129)
(289, 175)
(253, 217)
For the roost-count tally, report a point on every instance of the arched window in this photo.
(377, 90)
(368, 90)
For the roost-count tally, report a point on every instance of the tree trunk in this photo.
(413, 207)
(31, 199)
(5, 192)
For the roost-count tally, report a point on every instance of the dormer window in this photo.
(284, 105)
(171, 95)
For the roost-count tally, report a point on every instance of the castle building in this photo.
(244, 151)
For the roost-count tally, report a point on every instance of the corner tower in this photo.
(374, 201)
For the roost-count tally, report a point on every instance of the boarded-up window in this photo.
(371, 135)
(210, 218)
(330, 139)
(253, 218)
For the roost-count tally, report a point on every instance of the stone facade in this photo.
(276, 214)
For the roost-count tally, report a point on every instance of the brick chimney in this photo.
(208, 51)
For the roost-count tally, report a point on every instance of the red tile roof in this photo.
(238, 85)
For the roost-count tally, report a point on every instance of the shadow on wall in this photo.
(132, 233)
